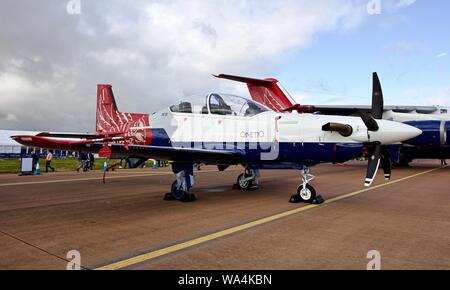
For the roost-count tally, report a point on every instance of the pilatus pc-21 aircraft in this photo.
(223, 130)
(434, 121)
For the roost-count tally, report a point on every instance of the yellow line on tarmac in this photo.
(380, 185)
(108, 176)
(72, 180)
(200, 240)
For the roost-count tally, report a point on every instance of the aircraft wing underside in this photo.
(177, 154)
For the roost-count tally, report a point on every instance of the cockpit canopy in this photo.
(219, 104)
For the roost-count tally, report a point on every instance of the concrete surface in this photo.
(44, 217)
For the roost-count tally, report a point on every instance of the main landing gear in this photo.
(247, 179)
(305, 191)
(182, 186)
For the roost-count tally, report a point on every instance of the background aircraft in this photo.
(226, 130)
(433, 143)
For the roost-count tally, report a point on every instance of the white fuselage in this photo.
(274, 127)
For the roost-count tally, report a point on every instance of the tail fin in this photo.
(107, 120)
(267, 91)
(110, 121)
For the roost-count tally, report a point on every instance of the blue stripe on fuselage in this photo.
(268, 153)
(160, 138)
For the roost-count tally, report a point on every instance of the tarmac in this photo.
(126, 224)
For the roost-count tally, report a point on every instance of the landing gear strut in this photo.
(182, 186)
(305, 192)
(247, 179)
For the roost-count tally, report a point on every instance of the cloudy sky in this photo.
(156, 52)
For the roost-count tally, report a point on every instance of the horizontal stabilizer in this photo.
(177, 154)
(45, 142)
(70, 135)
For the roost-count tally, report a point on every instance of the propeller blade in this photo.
(386, 162)
(369, 121)
(377, 106)
(377, 98)
(377, 153)
(374, 163)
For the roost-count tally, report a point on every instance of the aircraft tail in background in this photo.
(110, 121)
(265, 91)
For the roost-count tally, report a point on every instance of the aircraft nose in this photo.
(407, 132)
(391, 132)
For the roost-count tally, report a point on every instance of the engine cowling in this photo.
(434, 133)
(447, 133)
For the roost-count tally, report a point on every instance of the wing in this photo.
(188, 155)
(270, 93)
(177, 154)
(352, 110)
(341, 110)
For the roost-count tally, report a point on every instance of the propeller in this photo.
(378, 154)
(377, 98)
(369, 121)
(386, 162)
(374, 150)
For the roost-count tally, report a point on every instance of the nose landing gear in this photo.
(305, 192)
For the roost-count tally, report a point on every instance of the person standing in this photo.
(443, 162)
(35, 158)
(48, 161)
(82, 158)
(91, 160)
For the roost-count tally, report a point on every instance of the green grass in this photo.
(60, 165)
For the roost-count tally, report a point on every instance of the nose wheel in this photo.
(306, 192)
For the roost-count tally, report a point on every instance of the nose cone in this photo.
(393, 132)
(409, 132)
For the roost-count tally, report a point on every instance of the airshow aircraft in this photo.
(224, 130)
(433, 143)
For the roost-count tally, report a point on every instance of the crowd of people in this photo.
(85, 160)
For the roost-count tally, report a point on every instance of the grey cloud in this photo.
(152, 52)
